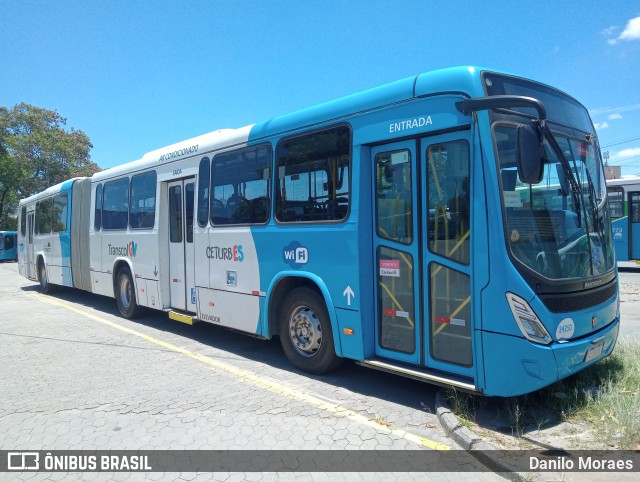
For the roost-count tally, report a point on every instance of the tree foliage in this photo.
(37, 151)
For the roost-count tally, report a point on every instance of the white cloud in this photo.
(626, 153)
(602, 125)
(630, 32)
(615, 116)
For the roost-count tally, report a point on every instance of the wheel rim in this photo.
(305, 331)
(125, 292)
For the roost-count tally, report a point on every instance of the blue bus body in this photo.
(409, 244)
(8, 246)
(624, 205)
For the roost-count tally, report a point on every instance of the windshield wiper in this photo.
(597, 227)
(576, 190)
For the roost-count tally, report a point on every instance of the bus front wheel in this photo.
(126, 295)
(305, 332)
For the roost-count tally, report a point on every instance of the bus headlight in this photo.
(529, 323)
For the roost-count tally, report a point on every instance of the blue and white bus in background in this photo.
(8, 246)
(624, 205)
(46, 234)
(451, 227)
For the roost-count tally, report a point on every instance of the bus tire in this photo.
(43, 279)
(305, 332)
(126, 295)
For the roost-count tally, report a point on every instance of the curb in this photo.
(486, 453)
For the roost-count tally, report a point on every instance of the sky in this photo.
(136, 76)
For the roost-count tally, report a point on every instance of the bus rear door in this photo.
(181, 252)
(30, 257)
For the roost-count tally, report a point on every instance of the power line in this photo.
(620, 142)
(624, 162)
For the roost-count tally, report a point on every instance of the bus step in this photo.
(182, 317)
(421, 374)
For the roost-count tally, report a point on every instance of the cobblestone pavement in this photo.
(630, 304)
(77, 376)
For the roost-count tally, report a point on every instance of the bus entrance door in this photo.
(446, 233)
(30, 258)
(181, 252)
(421, 192)
(634, 225)
(398, 322)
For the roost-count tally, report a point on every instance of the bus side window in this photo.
(43, 216)
(240, 186)
(142, 208)
(313, 176)
(634, 208)
(115, 209)
(60, 203)
(9, 241)
(97, 221)
(23, 221)
(203, 192)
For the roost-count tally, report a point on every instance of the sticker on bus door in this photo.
(390, 267)
(445, 320)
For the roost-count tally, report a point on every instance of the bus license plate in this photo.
(593, 352)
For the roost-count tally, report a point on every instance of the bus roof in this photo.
(451, 80)
(51, 190)
(624, 180)
(201, 145)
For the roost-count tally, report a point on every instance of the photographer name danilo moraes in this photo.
(584, 463)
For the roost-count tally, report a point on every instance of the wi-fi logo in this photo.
(132, 248)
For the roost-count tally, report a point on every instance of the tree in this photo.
(36, 151)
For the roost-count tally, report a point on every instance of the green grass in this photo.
(605, 396)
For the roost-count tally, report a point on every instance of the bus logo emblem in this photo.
(594, 322)
(295, 255)
(132, 248)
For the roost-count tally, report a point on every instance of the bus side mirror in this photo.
(529, 154)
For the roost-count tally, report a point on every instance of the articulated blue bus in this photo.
(8, 246)
(624, 206)
(451, 227)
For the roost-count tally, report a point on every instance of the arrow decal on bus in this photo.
(348, 292)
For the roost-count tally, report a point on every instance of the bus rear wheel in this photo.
(305, 332)
(126, 295)
(43, 279)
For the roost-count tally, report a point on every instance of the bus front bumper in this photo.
(515, 366)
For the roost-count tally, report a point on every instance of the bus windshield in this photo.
(552, 229)
(559, 228)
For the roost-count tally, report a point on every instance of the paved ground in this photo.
(630, 305)
(77, 376)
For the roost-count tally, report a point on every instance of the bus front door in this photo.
(446, 263)
(399, 324)
(181, 252)
(30, 258)
(634, 225)
(421, 197)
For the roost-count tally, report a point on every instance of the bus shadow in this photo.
(350, 376)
